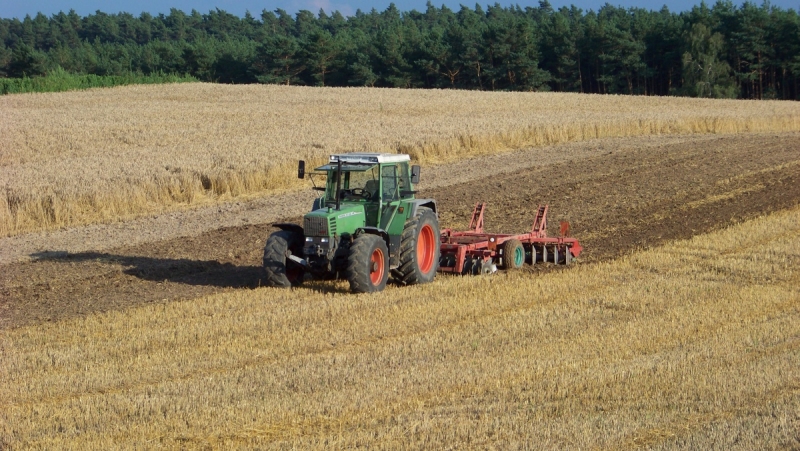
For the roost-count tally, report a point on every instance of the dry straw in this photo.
(105, 154)
(694, 345)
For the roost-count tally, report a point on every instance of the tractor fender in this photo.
(430, 203)
(289, 227)
(375, 231)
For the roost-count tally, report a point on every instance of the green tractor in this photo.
(367, 224)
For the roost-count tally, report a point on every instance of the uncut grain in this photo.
(107, 154)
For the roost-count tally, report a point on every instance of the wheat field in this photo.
(107, 154)
(693, 345)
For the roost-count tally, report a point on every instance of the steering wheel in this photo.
(361, 192)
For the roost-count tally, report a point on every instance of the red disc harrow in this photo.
(476, 252)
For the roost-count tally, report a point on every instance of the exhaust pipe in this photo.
(300, 261)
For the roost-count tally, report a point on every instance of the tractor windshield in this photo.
(362, 180)
(359, 182)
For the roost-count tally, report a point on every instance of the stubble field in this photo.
(678, 328)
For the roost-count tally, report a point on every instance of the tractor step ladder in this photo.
(539, 229)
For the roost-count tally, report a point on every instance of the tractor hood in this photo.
(330, 221)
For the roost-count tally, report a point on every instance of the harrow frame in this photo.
(474, 251)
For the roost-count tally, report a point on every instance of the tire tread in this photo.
(407, 271)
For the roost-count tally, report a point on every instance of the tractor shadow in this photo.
(184, 271)
(210, 273)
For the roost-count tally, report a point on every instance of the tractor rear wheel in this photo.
(513, 254)
(368, 264)
(419, 249)
(280, 271)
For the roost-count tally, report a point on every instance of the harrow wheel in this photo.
(278, 269)
(366, 264)
(419, 249)
(513, 254)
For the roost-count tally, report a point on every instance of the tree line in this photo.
(725, 50)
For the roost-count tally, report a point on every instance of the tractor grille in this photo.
(315, 226)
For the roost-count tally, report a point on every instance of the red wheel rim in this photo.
(425, 249)
(376, 267)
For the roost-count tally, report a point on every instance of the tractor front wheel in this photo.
(419, 249)
(367, 264)
(279, 270)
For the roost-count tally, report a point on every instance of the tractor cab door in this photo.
(373, 205)
(390, 192)
(369, 182)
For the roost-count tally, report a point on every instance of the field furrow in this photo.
(619, 196)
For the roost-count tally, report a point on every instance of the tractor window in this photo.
(330, 192)
(403, 180)
(389, 176)
(360, 179)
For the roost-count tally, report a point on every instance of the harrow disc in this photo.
(447, 260)
(471, 266)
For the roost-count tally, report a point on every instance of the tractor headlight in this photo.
(323, 240)
(309, 239)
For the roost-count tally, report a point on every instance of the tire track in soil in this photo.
(616, 203)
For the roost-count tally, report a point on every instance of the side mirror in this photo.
(415, 174)
(301, 169)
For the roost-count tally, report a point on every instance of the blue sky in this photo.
(19, 8)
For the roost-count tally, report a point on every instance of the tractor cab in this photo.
(369, 181)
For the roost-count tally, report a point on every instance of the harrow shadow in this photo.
(209, 273)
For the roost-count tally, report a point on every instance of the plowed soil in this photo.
(617, 199)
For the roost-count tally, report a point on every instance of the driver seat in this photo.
(373, 186)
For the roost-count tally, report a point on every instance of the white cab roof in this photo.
(370, 158)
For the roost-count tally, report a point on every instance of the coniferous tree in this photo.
(278, 60)
(26, 61)
(610, 50)
(703, 72)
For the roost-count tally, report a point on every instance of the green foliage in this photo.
(703, 72)
(27, 61)
(278, 60)
(59, 80)
(720, 51)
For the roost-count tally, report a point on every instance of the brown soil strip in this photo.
(617, 198)
(201, 219)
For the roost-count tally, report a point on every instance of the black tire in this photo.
(419, 265)
(368, 264)
(279, 271)
(513, 254)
